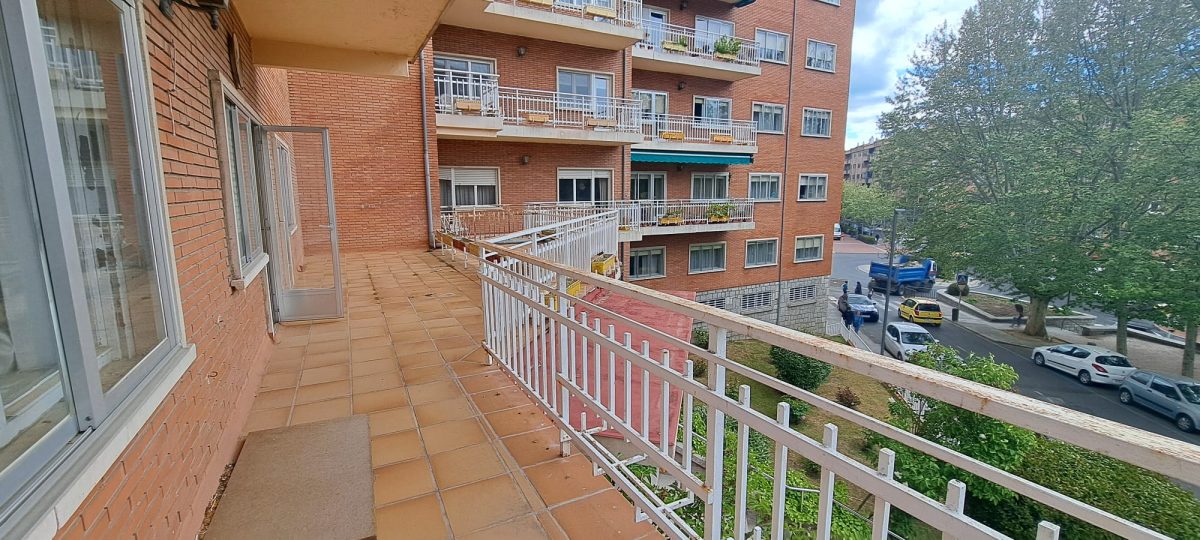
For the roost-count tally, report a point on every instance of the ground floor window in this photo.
(706, 258)
(710, 185)
(647, 263)
(584, 185)
(469, 186)
(809, 248)
(762, 252)
(802, 293)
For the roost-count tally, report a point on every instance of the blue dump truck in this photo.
(904, 277)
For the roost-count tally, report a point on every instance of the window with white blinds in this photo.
(764, 186)
(469, 186)
(706, 258)
(761, 252)
(647, 263)
(809, 248)
(710, 185)
(817, 123)
(584, 185)
(812, 187)
(821, 56)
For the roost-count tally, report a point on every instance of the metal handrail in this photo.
(679, 128)
(690, 42)
(523, 106)
(663, 212)
(457, 91)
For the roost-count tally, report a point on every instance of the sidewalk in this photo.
(849, 244)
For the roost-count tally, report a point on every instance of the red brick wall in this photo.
(161, 483)
(537, 181)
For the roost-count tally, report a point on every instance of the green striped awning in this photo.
(704, 158)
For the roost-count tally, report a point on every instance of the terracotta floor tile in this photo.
(518, 420)
(328, 335)
(377, 381)
(362, 344)
(395, 447)
(380, 400)
(321, 410)
(327, 347)
(455, 354)
(272, 399)
(565, 479)
(415, 519)
(396, 328)
(371, 367)
(437, 412)
(323, 391)
(364, 355)
(447, 332)
(534, 447)
(402, 481)
(317, 360)
(285, 366)
(466, 368)
(440, 323)
(604, 515)
(367, 332)
(391, 421)
(434, 391)
(426, 374)
(287, 353)
(410, 336)
(486, 381)
(267, 419)
(465, 465)
(325, 374)
(454, 342)
(523, 528)
(500, 399)
(550, 525)
(426, 346)
(418, 359)
(484, 503)
(452, 435)
(275, 381)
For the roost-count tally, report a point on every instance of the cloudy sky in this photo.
(886, 32)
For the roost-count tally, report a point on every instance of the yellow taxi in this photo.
(921, 311)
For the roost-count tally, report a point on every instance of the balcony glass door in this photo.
(588, 92)
(467, 79)
(650, 190)
(708, 31)
(655, 21)
(301, 225)
(653, 111)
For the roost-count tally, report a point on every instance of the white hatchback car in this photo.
(902, 339)
(1088, 363)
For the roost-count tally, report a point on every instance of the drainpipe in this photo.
(425, 141)
(783, 182)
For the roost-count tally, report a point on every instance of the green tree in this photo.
(866, 205)
(795, 368)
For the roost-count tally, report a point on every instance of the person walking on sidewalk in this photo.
(857, 287)
(843, 305)
(858, 320)
(1020, 313)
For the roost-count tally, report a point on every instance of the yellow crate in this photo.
(599, 11)
(722, 138)
(672, 135)
(604, 264)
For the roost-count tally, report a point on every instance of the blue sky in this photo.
(886, 32)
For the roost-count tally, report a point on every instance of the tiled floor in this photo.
(458, 450)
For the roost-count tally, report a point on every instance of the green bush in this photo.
(867, 239)
(956, 290)
(699, 367)
(700, 338)
(797, 408)
(795, 368)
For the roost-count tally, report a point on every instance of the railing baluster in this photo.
(646, 392)
(743, 450)
(828, 479)
(687, 421)
(664, 436)
(628, 384)
(596, 379)
(881, 518)
(612, 370)
(783, 416)
(956, 500)
(1047, 531)
(713, 458)
(584, 350)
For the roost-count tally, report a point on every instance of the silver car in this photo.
(1175, 397)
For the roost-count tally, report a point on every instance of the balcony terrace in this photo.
(670, 48)
(668, 133)
(604, 24)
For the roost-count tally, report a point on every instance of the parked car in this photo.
(1088, 363)
(864, 305)
(1175, 397)
(921, 311)
(837, 231)
(901, 340)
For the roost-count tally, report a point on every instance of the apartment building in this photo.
(857, 168)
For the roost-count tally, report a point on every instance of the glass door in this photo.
(650, 190)
(306, 279)
(654, 21)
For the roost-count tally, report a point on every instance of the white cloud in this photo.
(885, 36)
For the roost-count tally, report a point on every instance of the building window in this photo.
(708, 31)
(772, 46)
(469, 186)
(812, 187)
(769, 118)
(817, 123)
(762, 252)
(821, 56)
(102, 182)
(706, 258)
(583, 90)
(466, 79)
(803, 293)
(243, 187)
(584, 185)
(712, 110)
(809, 248)
(710, 185)
(718, 302)
(764, 186)
(756, 300)
(647, 263)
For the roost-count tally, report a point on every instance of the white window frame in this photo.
(820, 246)
(566, 103)
(283, 160)
(592, 173)
(717, 176)
(778, 179)
(453, 185)
(787, 46)
(243, 272)
(665, 184)
(831, 2)
(775, 258)
(783, 119)
(800, 182)
(703, 41)
(707, 245)
(701, 119)
(808, 57)
(635, 251)
(803, 124)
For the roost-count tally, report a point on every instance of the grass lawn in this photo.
(994, 305)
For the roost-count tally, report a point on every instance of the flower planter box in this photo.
(540, 2)
(674, 46)
(670, 220)
(538, 118)
(672, 135)
(600, 11)
(722, 138)
(725, 56)
(718, 219)
(604, 264)
(472, 105)
(602, 122)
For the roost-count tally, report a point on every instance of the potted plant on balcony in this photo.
(671, 217)
(719, 212)
(678, 44)
(726, 48)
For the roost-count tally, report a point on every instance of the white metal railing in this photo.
(491, 222)
(677, 128)
(654, 213)
(621, 12)
(564, 351)
(522, 106)
(690, 42)
(835, 327)
(458, 92)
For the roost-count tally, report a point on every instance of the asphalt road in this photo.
(1041, 383)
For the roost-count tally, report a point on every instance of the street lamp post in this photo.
(887, 287)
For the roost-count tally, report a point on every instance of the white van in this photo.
(837, 231)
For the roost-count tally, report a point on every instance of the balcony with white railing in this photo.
(639, 219)
(605, 24)
(474, 106)
(671, 132)
(678, 49)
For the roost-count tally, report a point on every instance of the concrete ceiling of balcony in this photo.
(367, 37)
